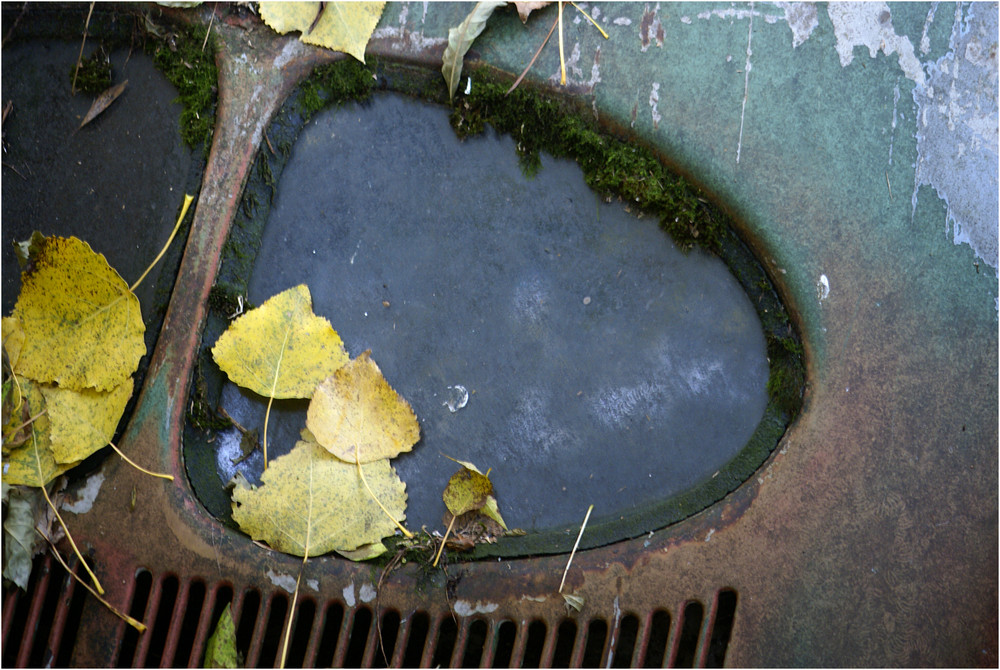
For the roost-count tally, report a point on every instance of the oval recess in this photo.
(535, 328)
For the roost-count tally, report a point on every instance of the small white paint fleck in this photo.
(286, 582)
(686, 20)
(535, 599)
(85, 496)
(468, 86)
(349, 595)
(465, 608)
(654, 99)
(823, 288)
(622, 21)
(711, 532)
(367, 593)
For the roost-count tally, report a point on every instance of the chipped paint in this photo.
(823, 288)
(313, 584)
(465, 608)
(869, 24)
(367, 593)
(286, 582)
(84, 496)
(956, 131)
(650, 28)
(654, 100)
(535, 599)
(801, 18)
(616, 608)
(348, 592)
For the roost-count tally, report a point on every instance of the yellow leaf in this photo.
(365, 552)
(341, 26)
(467, 490)
(21, 465)
(82, 326)
(83, 421)
(356, 407)
(281, 349)
(13, 339)
(312, 503)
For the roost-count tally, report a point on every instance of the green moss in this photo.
(612, 167)
(94, 76)
(193, 73)
(334, 84)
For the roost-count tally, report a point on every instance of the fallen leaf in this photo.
(83, 421)
(220, 652)
(467, 490)
(13, 339)
(19, 538)
(573, 600)
(82, 326)
(311, 503)
(102, 102)
(281, 349)
(365, 552)
(525, 8)
(357, 409)
(21, 465)
(341, 26)
(460, 39)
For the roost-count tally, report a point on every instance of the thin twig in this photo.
(187, 203)
(209, 31)
(575, 545)
(443, 540)
(562, 53)
(533, 58)
(86, 25)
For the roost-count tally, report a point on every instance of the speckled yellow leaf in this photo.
(83, 421)
(342, 26)
(356, 407)
(82, 326)
(13, 339)
(32, 464)
(467, 490)
(281, 349)
(312, 503)
(364, 553)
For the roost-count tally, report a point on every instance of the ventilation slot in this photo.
(41, 625)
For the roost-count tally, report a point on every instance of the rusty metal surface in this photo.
(868, 538)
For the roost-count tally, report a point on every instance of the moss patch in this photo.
(94, 75)
(192, 71)
(611, 167)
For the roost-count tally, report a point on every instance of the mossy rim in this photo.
(538, 120)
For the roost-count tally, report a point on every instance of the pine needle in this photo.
(121, 615)
(357, 460)
(184, 209)
(575, 545)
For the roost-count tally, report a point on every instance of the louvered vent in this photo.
(40, 626)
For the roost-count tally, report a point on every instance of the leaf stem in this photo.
(138, 625)
(562, 52)
(291, 612)
(441, 548)
(69, 536)
(184, 208)
(364, 481)
(139, 467)
(589, 19)
(575, 545)
(267, 416)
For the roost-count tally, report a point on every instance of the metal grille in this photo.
(40, 625)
